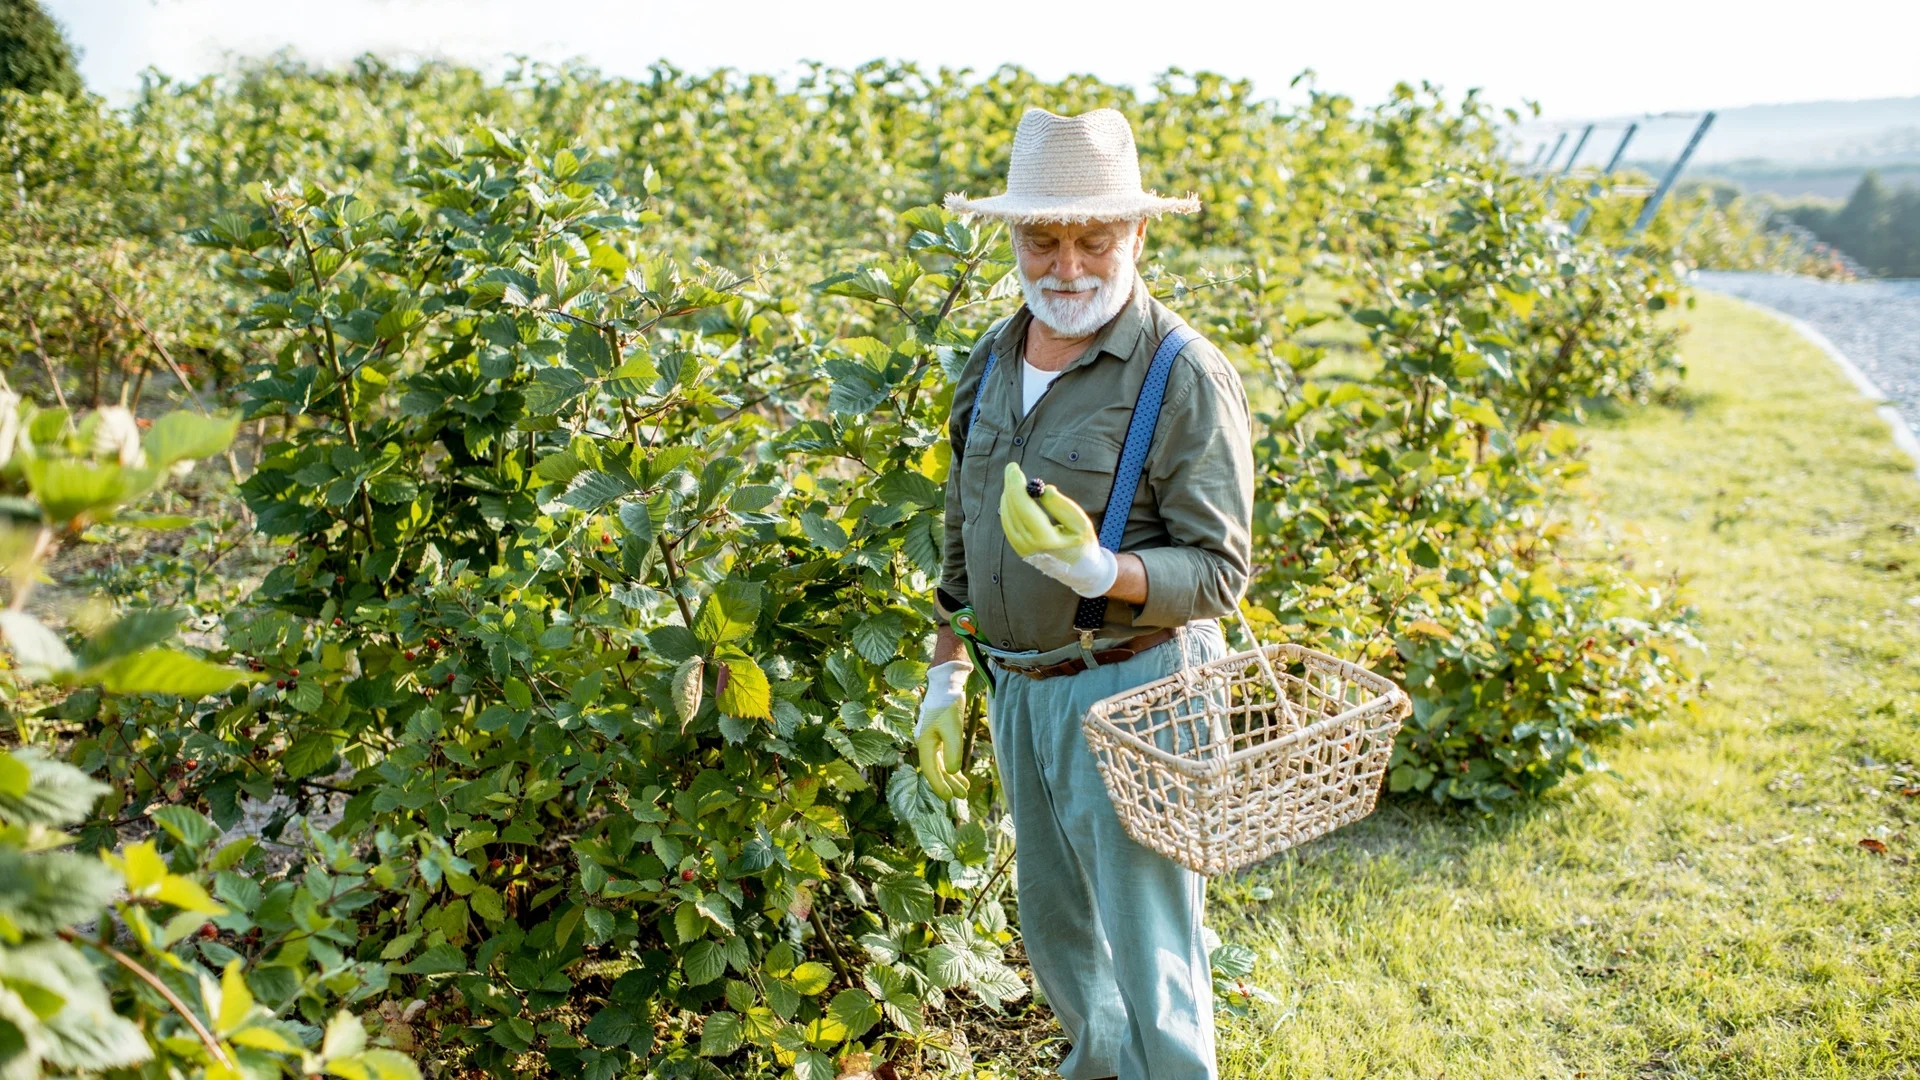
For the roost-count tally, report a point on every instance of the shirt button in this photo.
(1019, 440)
(1005, 644)
(1073, 455)
(996, 579)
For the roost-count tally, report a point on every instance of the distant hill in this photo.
(1802, 148)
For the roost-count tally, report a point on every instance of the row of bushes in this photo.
(553, 427)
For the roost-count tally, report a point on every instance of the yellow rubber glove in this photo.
(939, 732)
(1055, 536)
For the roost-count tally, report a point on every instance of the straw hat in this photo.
(1073, 168)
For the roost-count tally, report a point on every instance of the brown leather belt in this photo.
(1126, 650)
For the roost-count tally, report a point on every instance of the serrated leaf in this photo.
(728, 612)
(56, 794)
(747, 693)
(611, 1026)
(587, 350)
(855, 1012)
(308, 754)
(720, 1035)
(594, 489)
(878, 638)
(905, 897)
(703, 963)
(185, 824)
(827, 534)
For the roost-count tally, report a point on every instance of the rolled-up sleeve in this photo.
(1201, 471)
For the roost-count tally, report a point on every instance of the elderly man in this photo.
(1122, 415)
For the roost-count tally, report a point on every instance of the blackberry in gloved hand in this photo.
(1055, 536)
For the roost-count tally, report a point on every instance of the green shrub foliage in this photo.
(34, 55)
(601, 451)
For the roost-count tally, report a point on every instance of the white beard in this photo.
(1100, 301)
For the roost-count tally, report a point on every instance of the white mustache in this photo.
(1085, 283)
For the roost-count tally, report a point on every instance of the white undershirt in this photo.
(1033, 383)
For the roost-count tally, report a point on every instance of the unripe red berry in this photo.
(280, 684)
(606, 538)
(686, 875)
(449, 676)
(337, 622)
(408, 654)
(294, 673)
(209, 932)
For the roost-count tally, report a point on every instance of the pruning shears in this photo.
(968, 631)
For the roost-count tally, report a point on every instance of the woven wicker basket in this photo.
(1224, 764)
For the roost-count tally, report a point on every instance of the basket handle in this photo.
(1260, 653)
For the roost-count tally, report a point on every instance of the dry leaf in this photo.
(1874, 846)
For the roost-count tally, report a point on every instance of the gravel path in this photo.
(1876, 324)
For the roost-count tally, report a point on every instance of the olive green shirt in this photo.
(1191, 519)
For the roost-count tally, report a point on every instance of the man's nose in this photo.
(1068, 264)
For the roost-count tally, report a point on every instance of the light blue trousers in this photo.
(1112, 929)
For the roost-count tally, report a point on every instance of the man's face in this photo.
(1076, 277)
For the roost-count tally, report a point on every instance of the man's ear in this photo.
(1139, 239)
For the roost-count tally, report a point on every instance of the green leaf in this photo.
(855, 1011)
(587, 350)
(390, 489)
(905, 897)
(812, 1065)
(827, 534)
(596, 489)
(180, 435)
(185, 824)
(673, 643)
(14, 776)
(56, 795)
(68, 487)
(728, 612)
(704, 962)
(164, 671)
(688, 923)
(600, 925)
(714, 907)
(308, 754)
(811, 978)
(720, 1035)
(879, 637)
(611, 1026)
(40, 894)
(438, 960)
(747, 693)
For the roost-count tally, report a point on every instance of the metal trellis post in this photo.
(1666, 182)
(1586, 212)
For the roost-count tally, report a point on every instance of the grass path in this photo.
(1706, 910)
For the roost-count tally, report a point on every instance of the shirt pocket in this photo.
(976, 469)
(1081, 465)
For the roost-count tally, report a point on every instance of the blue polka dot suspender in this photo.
(1092, 612)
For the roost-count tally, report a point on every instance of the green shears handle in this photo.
(968, 631)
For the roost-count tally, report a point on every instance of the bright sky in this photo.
(1578, 59)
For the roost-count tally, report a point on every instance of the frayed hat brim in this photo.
(1071, 209)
